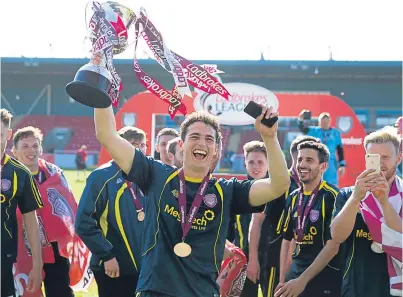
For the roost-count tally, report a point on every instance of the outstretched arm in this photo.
(265, 190)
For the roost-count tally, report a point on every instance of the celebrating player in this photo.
(370, 268)
(183, 249)
(27, 148)
(110, 222)
(18, 188)
(308, 219)
(266, 231)
(257, 168)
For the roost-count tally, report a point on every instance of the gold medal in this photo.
(182, 249)
(141, 216)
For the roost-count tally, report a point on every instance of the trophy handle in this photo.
(141, 28)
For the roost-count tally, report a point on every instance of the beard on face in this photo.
(313, 174)
(388, 173)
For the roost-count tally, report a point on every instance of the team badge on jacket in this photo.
(5, 185)
(314, 215)
(210, 200)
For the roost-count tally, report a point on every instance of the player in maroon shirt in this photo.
(81, 159)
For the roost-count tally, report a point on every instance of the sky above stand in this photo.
(219, 29)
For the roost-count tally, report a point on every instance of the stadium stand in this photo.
(62, 132)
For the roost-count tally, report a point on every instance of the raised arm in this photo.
(265, 190)
(346, 207)
(121, 151)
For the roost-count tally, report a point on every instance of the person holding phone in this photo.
(331, 138)
(367, 268)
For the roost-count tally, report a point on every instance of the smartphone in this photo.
(307, 115)
(373, 161)
(254, 110)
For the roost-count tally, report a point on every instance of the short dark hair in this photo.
(204, 117)
(172, 145)
(6, 117)
(301, 139)
(26, 132)
(167, 131)
(323, 151)
(131, 133)
(254, 146)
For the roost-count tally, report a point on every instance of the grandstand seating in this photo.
(226, 131)
(62, 132)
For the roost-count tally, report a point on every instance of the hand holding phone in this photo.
(255, 110)
(373, 161)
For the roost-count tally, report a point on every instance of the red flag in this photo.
(56, 221)
(233, 274)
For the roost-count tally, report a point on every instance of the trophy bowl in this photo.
(91, 86)
(108, 32)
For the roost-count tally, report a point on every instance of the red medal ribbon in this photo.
(302, 219)
(136, 201)
(187, 218)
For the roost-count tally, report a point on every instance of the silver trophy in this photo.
(97, 84)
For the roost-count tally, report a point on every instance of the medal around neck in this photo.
(182, 249)
(141, 216)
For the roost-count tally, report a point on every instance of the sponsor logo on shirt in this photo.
(362, 234)
(198, 223)
(308, 238)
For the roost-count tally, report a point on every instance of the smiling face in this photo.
(199, 147)
(256, 164)
(309, 168)
(28, 151)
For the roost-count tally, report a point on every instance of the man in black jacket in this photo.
(109, 221)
